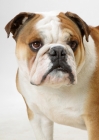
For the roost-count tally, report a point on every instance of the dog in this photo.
(58, 71)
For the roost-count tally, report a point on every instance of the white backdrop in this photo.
(14, 124)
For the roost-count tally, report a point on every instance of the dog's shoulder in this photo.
(94, 31)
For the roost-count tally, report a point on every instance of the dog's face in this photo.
(49, 47)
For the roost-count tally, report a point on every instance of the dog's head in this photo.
(49, 46)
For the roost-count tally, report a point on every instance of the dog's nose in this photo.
(57, 53)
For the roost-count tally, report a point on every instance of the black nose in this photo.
(57, 53)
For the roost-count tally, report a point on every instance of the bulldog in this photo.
(58, 71)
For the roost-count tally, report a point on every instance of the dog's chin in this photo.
(57, 78)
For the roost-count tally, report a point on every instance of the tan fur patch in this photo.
(91, 114)
(17, 82)
(26, 36)
(30, 113)
(68, 24)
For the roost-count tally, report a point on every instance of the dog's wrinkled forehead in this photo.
(55, 27)
(48, 28)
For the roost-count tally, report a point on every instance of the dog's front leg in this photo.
(92, 124)
(91, 116)
(43, 127)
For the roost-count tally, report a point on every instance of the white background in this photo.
(14, 124)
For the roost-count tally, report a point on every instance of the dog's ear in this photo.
(84, 28)
(17, 22)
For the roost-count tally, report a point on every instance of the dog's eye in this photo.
(73, 45)
(36, 45)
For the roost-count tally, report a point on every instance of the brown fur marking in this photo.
(91, 114)
(67, 23)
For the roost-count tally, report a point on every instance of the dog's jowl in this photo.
(58, 71)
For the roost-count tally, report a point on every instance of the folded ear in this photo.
(84, 28)
(17, 22)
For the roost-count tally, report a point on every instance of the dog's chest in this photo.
(60, 106)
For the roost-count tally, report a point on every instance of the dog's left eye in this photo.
(36, 45)
(73, 45)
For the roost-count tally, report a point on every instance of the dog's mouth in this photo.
(57, 67)
(56, 73)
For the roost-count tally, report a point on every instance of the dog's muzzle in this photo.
(58, 58)
(54, 66)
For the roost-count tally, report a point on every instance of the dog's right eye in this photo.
(73, 44)
(35, 45)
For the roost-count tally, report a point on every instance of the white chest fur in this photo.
(61, 106)
(64, 106)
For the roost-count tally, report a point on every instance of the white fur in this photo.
(50, 13)
(48, 28)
